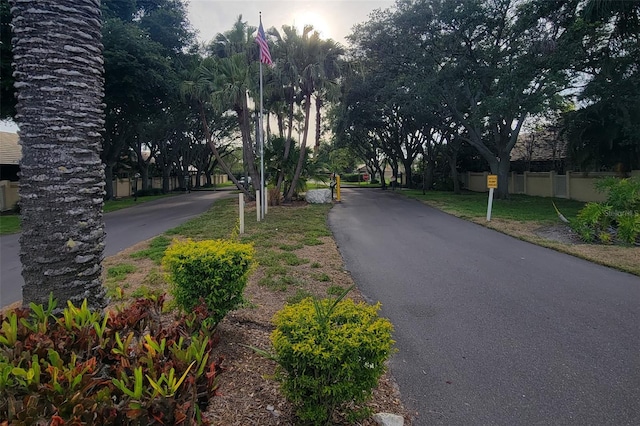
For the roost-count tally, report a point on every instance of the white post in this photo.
(258, 212)
(241, 208)
(266, 200)
(490, 204)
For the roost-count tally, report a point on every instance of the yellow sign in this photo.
(492, 181)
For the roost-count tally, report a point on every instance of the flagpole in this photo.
(261, 135)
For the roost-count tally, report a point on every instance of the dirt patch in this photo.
(248, 394)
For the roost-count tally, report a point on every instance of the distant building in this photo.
(10, 155)
(540, 151)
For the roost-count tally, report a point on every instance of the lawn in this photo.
(521, 208)
(123, 203)
(10, 223)
(527, 218)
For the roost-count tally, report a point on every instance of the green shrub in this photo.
(330, 353)
(617, 219)
(215, 271)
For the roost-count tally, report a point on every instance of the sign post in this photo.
(492, 183)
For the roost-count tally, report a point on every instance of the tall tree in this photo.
(605, 132)
(308, 62)
(58, 61)
(328, 89)
(207, 90)
(144, 42)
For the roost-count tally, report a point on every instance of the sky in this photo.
(332, 18)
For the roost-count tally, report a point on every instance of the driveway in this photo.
(124, 228)
(491, 330)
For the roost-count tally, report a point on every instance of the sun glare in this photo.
(310, 17)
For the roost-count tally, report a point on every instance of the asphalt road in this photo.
(124, 228)
(491, 330)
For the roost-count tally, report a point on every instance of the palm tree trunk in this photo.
(303, 147)
(216, 153)
(287, 147)
(316, 147)
(61, 117)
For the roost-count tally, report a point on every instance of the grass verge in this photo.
(9, 224)
(522, 216)
(123, 203)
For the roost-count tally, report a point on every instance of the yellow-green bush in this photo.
(330, 353)
(213, 270)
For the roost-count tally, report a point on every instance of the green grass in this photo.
(299, 296)
(280, 226)
(9, 224)
(155, 251)
(123, 203)
(290, 247)
(335, 290)
(291, 259)
(120, 272)
(321, 277)
(279, 283)
(520, 208)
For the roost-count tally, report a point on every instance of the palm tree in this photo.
(205, 88)
(328, 88)
(308, 60)
(285, 84)
(61, 118)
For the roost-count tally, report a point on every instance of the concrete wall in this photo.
(574, 185)
(8, 195)
(538, 184)
(121, 188)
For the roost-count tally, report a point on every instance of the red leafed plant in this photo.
(131, 367)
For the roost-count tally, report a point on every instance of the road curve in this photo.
(124, 228)
(491, 330)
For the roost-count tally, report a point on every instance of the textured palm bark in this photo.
(58, 61)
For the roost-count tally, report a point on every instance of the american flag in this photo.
(261, 39)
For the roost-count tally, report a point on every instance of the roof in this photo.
(539, 146)
(10, 148)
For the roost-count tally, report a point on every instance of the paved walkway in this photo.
(490, 329)
(124, 229)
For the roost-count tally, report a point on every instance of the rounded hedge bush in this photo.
(213, 270)
(330, 353)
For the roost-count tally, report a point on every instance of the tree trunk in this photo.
(453, 168)
(408, 174)
(144, 175)
(249, 150)
(316, 147)
(166, 169)
(216, 153)
(303, 147)
(58, 68)
(504, 165)
(280, 125)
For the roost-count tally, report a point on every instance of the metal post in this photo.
(241, 208)
(258, 207)
(490, 204)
